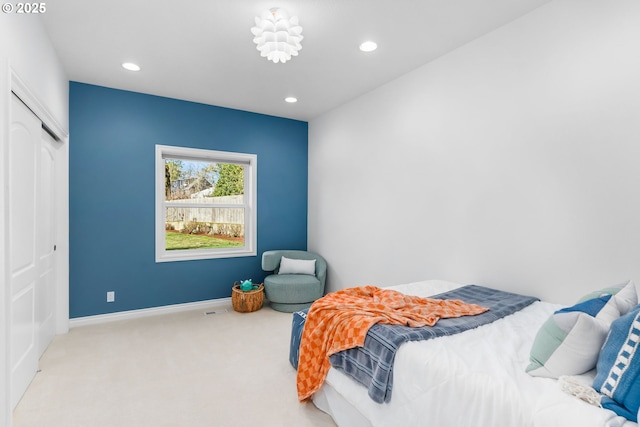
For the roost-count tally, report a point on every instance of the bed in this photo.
(473, 378)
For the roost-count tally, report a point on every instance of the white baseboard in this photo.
(154, 311)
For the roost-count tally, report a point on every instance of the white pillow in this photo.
(624, 294)
(569, 342)
(297, 266)
(627, 298)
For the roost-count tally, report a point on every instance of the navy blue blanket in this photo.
(372, 365)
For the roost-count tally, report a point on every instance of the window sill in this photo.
(192, 255)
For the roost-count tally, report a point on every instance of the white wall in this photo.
(512, 162)
(25, 48)
(24, 41)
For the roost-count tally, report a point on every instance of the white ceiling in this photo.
(202, 50)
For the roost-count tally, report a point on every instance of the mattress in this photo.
(476, 378)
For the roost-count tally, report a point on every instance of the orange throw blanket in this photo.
(341, 320)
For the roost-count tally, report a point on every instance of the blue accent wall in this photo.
(113, 134)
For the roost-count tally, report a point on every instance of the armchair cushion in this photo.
(290, 288)
(297, 266)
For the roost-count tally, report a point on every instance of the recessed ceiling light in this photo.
(291, 99)
(130, 66)
(368, 46)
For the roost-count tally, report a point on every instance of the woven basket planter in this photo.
(247, 301)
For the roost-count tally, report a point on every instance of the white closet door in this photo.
(24, 153)
(45, 241)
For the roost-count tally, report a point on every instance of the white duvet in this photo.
(475, 379)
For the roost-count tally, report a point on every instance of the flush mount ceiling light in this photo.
(368, 46)
(130, 66)
(291, 99)
(277, 36)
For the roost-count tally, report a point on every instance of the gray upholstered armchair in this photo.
(297, 282)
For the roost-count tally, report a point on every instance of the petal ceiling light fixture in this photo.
(278, 37)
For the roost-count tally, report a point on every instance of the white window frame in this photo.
(250, 161)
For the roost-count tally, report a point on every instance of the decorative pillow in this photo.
(618, 369)
(297, 266)
(626, 295)
(569, 342)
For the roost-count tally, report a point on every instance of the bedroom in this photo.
(513, 155)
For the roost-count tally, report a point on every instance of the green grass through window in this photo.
(196, 241)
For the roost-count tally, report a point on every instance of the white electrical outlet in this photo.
(111, 296)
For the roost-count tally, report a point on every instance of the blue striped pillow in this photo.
(618, 368)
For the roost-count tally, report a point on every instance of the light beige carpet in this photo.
(221, 370)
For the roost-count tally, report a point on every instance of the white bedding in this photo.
(475, 378)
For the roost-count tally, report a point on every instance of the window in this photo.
(205, 204)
